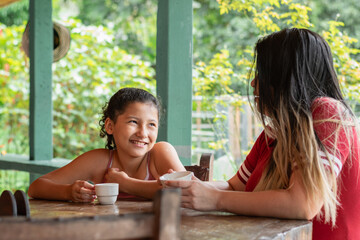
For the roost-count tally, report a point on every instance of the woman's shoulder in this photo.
(326, 107)
(324, 102)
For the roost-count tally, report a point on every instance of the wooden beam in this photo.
(22, 163)
(41, 55)
(174, 73)
(4, 3)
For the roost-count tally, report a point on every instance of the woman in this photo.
(305, 164)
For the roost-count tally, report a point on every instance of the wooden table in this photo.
(194, 224)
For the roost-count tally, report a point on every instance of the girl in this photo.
(305, 164)
(131, 158)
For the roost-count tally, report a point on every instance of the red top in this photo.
(346, 168)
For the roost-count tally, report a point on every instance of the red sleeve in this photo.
(248, 166)
(327, 114)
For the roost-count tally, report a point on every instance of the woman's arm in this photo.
(283, 203)
(70, 181)
(289, 203)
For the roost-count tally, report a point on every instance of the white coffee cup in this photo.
(177, 176)
(107, 192)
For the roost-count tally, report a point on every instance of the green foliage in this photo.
(348, 68)
(83, 81)
(15, 14)
(14, 92)
(213, 80)
(13, 180)
(346, 11)
(270, 15)
(134, 21)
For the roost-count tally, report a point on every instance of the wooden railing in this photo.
(240, 130)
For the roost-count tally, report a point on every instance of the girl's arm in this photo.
(79, 191)
(163, 158)
(288, 203)
(137, 187)
(133, 186)
(70, 181)
(147, 189)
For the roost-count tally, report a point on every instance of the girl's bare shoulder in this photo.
(165, 157)
(162, 146)
(95, 155)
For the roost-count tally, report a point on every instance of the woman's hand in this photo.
(82, 191)
(197, 194)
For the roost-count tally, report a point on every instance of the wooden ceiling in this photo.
(4, 3)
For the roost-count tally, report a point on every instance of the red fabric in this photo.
(251, 170)
(348, 219)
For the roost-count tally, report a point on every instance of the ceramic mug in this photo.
(178, 176)
(107, 192)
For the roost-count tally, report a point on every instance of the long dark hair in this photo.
(296, 66)
(117, 105)
(293, 67)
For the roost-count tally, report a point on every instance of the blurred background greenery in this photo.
(113, 45)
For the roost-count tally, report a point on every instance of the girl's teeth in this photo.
(139, 143)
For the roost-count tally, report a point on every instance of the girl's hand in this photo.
(114, 175)
(169, 171)
(82, 191)
(197, 194)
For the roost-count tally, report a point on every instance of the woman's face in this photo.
(255, 85)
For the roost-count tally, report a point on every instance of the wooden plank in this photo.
(194, 224)
(229, 226)
(161, 222)
(97, 227)
(174, 73)
(41, 56)
(22, 163)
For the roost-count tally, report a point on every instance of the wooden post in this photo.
(174, 73)
(167, 214)
(234, 132)
(41, 56)
(198, 127)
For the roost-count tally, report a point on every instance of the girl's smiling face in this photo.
(135, 130)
